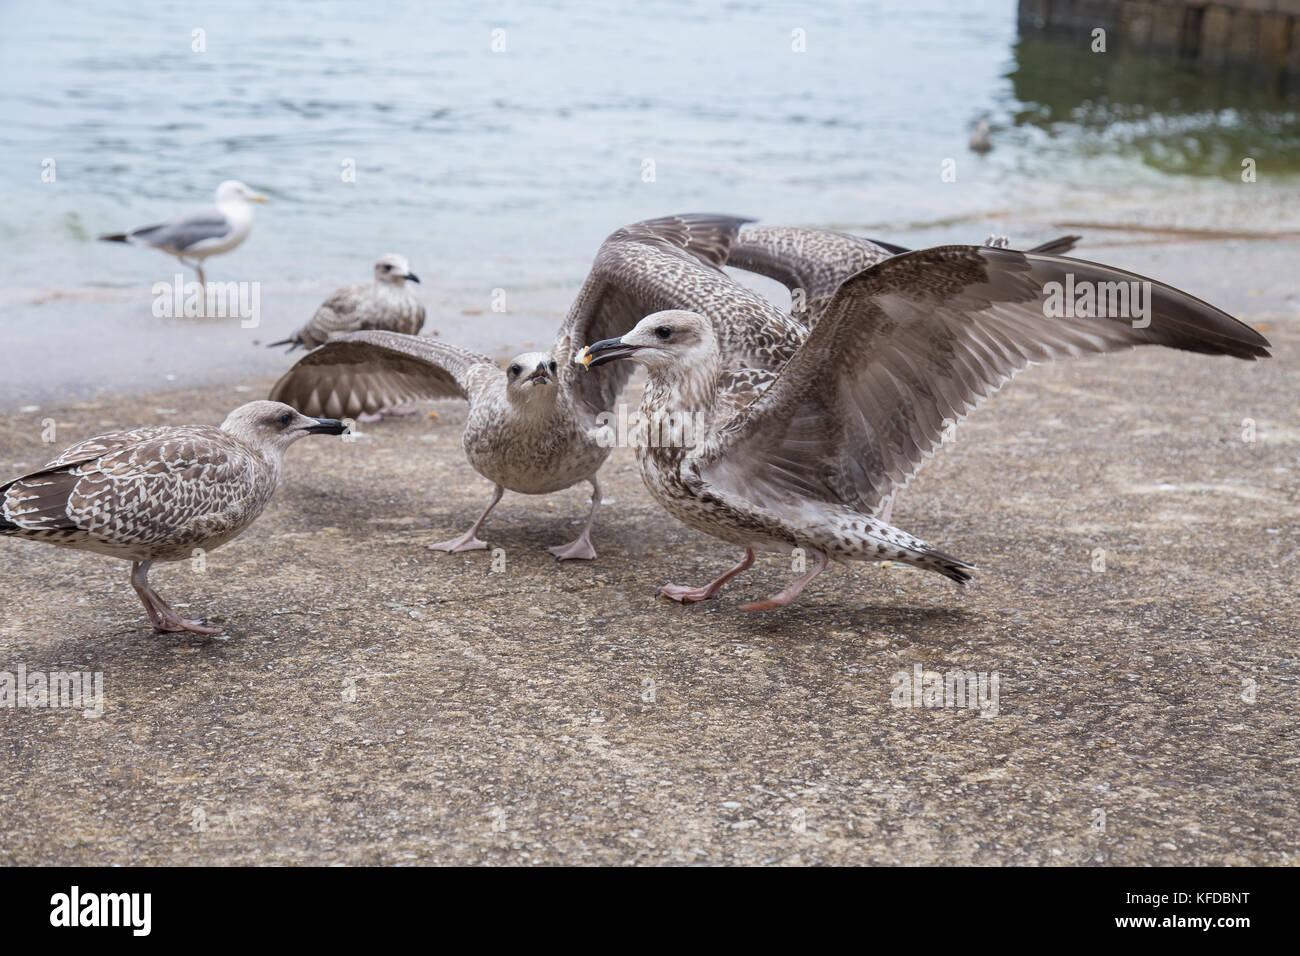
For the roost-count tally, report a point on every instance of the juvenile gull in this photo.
(803, 458)
(157, 493)
(385, 304)
(202, 233)
(533, 428)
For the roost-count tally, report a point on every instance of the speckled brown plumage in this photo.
(158, 493)
(801, 458)
(387, 304)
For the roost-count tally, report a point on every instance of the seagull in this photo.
(803, 457)
(384, 304)
(540, 426)
(159, 492)
(205, 232)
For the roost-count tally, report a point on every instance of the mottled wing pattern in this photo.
(171, 487)
(177, 235)
(811, 263)
(367, 371)
(912, 345)
(360, 308)
(670, 263)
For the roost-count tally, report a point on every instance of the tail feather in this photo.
(293, 341)
(1058, 246)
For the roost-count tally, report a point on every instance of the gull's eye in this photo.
(285, 419)
(515, 370)
(552, 366)
(664, 332)
(388, 268)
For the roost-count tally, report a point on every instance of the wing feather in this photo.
(910, 346)
(367, 371)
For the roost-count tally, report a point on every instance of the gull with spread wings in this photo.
(533, 428)
(801, 454)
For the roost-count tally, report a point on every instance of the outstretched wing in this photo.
(811, 263)
(367, 371)
(669, 263)
(914, 344)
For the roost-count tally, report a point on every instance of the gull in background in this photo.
(202, 233)
(803, 455)
(159, 492)
(533, 428)
(384, 304)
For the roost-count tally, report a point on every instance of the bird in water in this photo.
(195, 236)
(801, 456)
(159, 492)
(540, 426)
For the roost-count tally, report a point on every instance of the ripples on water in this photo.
(505, 169)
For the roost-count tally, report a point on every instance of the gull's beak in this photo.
(326, 426)
(541, 375)
(258, 197)
(412, 277)
(606, 350)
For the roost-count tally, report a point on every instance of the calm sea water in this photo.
(503, 169)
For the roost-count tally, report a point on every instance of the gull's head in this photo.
(275, 425)
(531, 376)
(394, 269)
(232, 190)
(662, 342)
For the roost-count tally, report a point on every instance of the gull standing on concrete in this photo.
(205, 232)
(384, 304)
(534, 428)
(803, 457)
(159, 492)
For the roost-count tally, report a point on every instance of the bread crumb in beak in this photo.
(583, 358)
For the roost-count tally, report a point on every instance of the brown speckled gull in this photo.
(803, 456)
(384, 304)
(158, 493)
(532, 429)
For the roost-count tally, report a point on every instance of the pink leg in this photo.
(370, 418)
(469, 540)
(162, 617)
(581, 546)
(688, 595)
(887, 512)
(782, 598)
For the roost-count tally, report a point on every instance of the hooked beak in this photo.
(326, 426)
(606, 350)
(412, 277)
(540, 375)
(258, 197)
